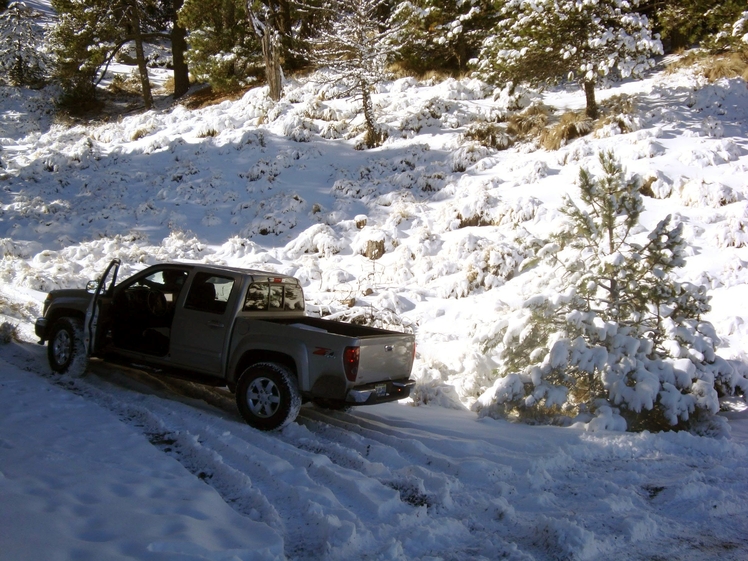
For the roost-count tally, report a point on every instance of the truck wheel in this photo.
(267, 396)
(65, 351)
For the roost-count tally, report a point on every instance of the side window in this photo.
(168, 281)
(263, 297)
(209, 293)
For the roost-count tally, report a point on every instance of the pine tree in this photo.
(444, 34)
(222, 44)
(689, 22)
(544, 41)
(356, 45)
(22, 60)
(617, 337)
(88, 35)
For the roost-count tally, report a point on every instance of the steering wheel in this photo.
(156, 303)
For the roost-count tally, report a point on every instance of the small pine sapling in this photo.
(617, 342)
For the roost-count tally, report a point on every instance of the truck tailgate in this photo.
(385, 358)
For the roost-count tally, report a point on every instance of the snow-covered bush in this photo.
(319, 238)
(614, 338)
(466, 155)
(698, 193)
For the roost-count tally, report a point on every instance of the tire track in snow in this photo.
(313, 502)
(345, 486)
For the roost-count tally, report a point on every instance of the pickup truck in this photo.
(225, 326)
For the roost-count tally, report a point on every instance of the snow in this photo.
(121, 465)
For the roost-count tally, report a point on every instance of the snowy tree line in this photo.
(232, 43)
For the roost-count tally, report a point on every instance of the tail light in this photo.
(351, 356)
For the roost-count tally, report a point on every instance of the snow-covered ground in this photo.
(121, 465)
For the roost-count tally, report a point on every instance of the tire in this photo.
(267, 396)
(65, 350)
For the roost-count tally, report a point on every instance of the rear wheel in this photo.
(66, 352)
(268, 396)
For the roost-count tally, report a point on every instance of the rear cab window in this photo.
(274, 297)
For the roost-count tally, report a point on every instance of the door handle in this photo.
(215, 324)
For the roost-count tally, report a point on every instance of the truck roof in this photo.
(254, 273)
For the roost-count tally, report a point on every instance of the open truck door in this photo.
(104, 285)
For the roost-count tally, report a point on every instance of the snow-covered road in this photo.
(171, 472)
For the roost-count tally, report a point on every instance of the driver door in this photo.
(143, 311)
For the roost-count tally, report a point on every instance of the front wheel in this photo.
(66, 352)
(268, 396)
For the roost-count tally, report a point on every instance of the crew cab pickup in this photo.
(225, 326)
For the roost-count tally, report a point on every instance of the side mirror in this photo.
(91, 286)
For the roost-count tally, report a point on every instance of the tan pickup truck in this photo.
(226, 326)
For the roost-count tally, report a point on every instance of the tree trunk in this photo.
(140, 57)
(271, 56)
(372, 135)
(178, 48)
(589, 92)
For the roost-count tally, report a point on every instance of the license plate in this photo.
(380, 390)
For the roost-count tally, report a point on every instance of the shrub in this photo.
(616, 342)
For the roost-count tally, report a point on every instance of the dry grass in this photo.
(168, 87)
(125, 84)
(489, 135)
(732, 65)
(621, 104)
(206, 97)
(398, 70)
(714, 66)
(529, 123)
(571, 125)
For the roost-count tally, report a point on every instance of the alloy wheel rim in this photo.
(61, 347)
(263, 397)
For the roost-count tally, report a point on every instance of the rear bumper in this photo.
(380, 392)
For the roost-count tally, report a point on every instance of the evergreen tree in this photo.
(544, 41)
(88, 35)
(617, 334)
(222, 43)
(23, 60)
(689, 22)
(356, 45)
(445, 34)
